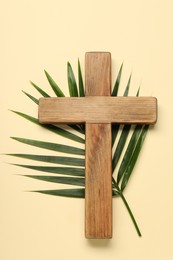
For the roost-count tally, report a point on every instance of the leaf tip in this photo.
(45, 71)
(11, 110)
(69, 65)
(122, 65)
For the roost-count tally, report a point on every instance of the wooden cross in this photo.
(98, 110)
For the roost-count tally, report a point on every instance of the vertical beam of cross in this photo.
(98, 169)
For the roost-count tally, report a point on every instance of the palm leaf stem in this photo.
(130, 213)
(120, 193)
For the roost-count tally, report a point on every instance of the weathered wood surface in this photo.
(98, 181)
(97, 109)
(97, 74)
(98, 160)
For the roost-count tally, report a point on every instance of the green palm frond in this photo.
(52, 159)
(71, 193)
(51, 146)
(80, 172)
(41, 91)
(64, 180)
(134, 158)
(31, 97)
(129, 152)
(117, 82)
(73, 90)
(54, 85)
(80, 81)
(73, 172)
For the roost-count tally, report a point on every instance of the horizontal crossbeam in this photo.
(102, 109)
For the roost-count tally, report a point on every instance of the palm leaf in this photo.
(81, 90)
(117, 82)
(73, 90)
(41, 91)
(137, 94)
(62, 180)
(72, 193)
(51, 146)
(52, 159)
(80, 80)
(129, 152)
(31, 97)
(120, 146)
(134, 157)
(115, 127)
(71, 82)
(80, 172)
(54, 86)
(126, 92)
(78, 128)
(114, 193)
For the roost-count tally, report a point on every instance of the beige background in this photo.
(38, 35)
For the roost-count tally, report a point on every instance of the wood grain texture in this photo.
(130, 110)
(98, 159)
(98, 181)
(98, 74)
